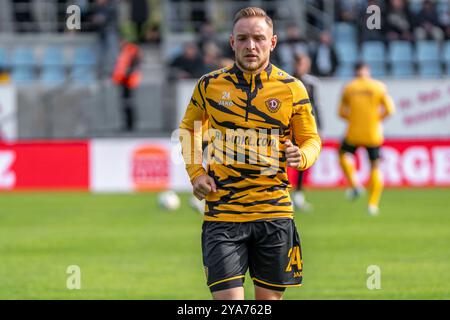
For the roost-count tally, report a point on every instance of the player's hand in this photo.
(203, 185)
(293, 156)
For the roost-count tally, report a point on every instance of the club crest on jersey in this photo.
(273, 104)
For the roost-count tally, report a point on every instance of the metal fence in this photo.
(85, 112)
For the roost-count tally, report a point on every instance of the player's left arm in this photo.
(387, 103)
(304, 130)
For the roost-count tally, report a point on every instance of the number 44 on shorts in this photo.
(295, 259)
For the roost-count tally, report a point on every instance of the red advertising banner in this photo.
(150, 168)
(67, 165)
(44, 166)
(421, 163)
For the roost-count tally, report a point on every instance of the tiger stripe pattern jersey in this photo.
(248, 118)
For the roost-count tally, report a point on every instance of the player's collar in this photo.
(239, 73)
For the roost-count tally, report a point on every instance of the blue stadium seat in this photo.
(430, 69)
(400, 57)
(22, 75)
(4, 61)
(446, 52)
(446, 56)
(53, 76)
(442, 7)
(427, 51)
(345, 71)
(400, 51)
(53, 56)
(377, 69)
(402, 70)
(84, 56)
(23, 57)
(83, 76)
(347, 52)
(447, 69)
(428, 58)
(343, 31)
(373, 51)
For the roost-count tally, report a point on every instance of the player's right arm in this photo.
(191, 143)
(191, 132)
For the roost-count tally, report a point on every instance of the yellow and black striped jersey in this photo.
(364, 104)
(249, 117)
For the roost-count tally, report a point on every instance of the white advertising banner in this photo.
(156, 164)
(136, 165)
(8, 113)
(423, 107)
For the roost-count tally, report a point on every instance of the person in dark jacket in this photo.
(324, 61)
(139, 15)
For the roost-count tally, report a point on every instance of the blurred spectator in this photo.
(225, 62)
(4, 76)
(311, 83)
(325, 59)
(346, 10)
(139, 16)
(398, 21)
(206, 34)
(23, 16)
(366, 34)
(128, 77)
(189, 64)
(427, 23)
(105, 21)
(302, 67)
(211, 57)
(444, 21)
(152, 34)
(291, 46)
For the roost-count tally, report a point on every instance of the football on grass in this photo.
(169, 200)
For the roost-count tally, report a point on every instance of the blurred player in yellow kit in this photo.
(364, 105)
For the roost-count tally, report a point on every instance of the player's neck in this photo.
(264, 67)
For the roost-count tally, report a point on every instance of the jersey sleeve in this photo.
(343, 105)
(191, 132)
(304, 128)
(387, 103)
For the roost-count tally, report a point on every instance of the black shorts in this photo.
(373, 152)
(269, 248)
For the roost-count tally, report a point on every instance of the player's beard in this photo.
(250, 66)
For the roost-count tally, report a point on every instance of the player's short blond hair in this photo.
(252, 12)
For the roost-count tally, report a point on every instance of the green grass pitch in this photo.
(127, 248)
